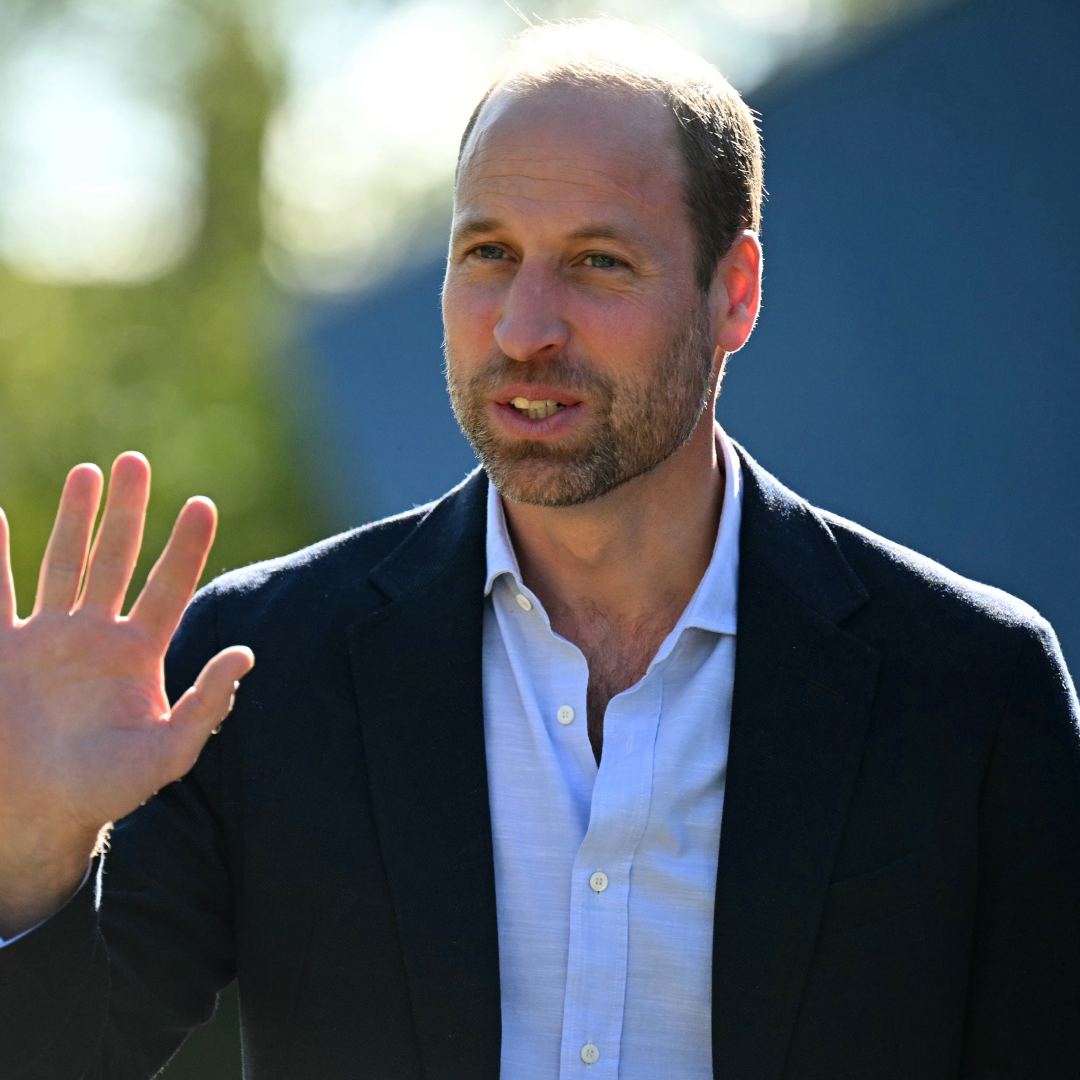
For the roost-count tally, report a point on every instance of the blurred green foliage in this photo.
(189, 369)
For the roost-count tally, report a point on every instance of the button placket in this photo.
(599, 920)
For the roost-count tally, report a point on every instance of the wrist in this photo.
(38, 875)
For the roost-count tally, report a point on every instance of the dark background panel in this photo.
(915, 367)
(915, 363)
(378, 375)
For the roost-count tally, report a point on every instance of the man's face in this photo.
(578, 346)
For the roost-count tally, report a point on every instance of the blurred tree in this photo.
(188, 369)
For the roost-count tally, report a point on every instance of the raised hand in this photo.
(86, 732)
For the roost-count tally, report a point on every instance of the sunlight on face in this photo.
(634, 427)
(571, 281)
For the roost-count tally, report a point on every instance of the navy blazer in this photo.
(898, 886)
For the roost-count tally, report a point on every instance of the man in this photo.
(502, 796)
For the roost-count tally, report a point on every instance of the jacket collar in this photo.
(444, 541)
(786, 535)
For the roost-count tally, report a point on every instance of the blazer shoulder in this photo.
(346, 556)
(312, 594)
(908, 580)
(332, 575)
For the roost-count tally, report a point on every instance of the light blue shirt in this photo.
(605, 877)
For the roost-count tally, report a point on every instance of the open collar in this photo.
(713, 605)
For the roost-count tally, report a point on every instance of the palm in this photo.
(83, 694)
(86, 732)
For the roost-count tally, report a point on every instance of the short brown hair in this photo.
(717, 133)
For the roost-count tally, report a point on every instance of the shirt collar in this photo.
(501, 558)
(713, 605)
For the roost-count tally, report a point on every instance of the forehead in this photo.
(570, 146)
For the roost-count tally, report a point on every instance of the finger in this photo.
(7, 582)
(176, 573)
(210, 700)
(65, 556)
(116, 547)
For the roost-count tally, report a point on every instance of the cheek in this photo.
(468, 335)
(470, 312)
(627, 337)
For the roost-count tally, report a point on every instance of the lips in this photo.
(537, 410)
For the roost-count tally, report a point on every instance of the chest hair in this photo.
(618, 652)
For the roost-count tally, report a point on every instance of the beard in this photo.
(632, 428)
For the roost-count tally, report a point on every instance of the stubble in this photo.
(633, 427)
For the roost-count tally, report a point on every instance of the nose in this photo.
(531, 325)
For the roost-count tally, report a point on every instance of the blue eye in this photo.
(602, 262)
(489, 251)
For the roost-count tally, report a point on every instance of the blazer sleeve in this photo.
(1023, 1014)
(111, 984)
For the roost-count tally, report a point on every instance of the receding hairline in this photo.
(501, 94)
(605, 56)
(716, 132)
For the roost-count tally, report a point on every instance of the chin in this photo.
(542, 483)
(555, 483)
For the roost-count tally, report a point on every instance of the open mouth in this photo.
(536, 410)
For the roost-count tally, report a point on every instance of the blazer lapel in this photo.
(417, 668)
(803, 692)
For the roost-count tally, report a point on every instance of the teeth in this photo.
(537, 410)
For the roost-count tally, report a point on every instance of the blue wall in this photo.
(379, 377)
(916, 363)
(915, 367)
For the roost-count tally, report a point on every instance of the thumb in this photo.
(204, 705)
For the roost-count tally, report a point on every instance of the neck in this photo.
(633, 557)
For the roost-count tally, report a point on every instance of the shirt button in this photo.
(589, 1054)
(565, 715)
(523, 602)
(598, 882)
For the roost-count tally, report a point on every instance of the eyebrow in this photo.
(474, 227)
(598, 230)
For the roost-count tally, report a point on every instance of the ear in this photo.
(735, 294)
